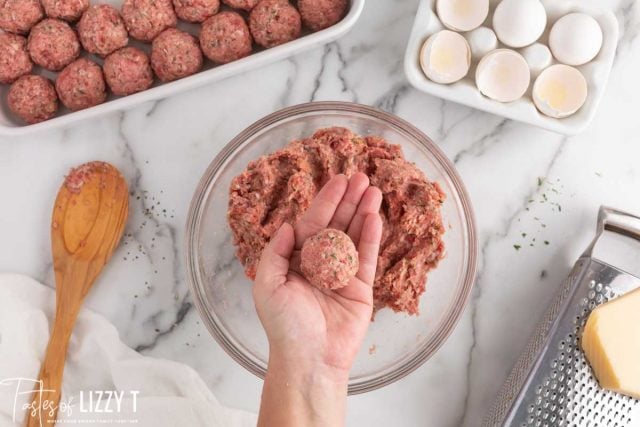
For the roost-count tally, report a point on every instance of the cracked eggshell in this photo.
(538, 56)
(559, 91)
(462, 15)
(503, 75)
(518, 23)
(482, 41)
(575, 39)
(445, 57)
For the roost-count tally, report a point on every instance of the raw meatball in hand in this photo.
(52, 44)
(14, 58)
(329, 259)
(175, 54)
(225, 37)
(320, 14)
(128, 71)
(145, 19)
(81, 85)
(33, 99)
(69, 10)
(241, 4)
(102, 30)
(196, 10)
(273, 22)
(18, 16)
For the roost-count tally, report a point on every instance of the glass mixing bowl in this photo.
(396, 343)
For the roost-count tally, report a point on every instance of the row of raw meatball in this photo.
(54, 45)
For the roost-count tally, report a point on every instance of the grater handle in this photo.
(617, 221)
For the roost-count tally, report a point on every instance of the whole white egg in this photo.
(445, 57)
(519, 23)
(503, 75)
(462, 15)
(575, 39)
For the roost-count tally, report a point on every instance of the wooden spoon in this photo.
(88, 220)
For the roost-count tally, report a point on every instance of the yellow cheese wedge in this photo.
(611, 342)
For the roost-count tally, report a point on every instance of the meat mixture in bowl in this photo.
(279, 187)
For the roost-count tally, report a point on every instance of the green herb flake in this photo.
(517, 247)
(546, 242)
(524, 235)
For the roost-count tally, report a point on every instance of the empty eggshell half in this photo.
(519, 23)
(445, 57)
(482, 40)
(503, 75)
(575, 39)
(462, 15)
(559, 91)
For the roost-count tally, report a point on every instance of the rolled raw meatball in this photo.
(33, 99)
(273, 22)
(329, 259)
(241, 4)
(14, 58)
(320, 14)
(81, 85)
(196, 10)
(52, 44)
(101, 30)
(19, 16)
(69, 10)
(145, 19)
(128, 71)
(225, 37)
(175, 54)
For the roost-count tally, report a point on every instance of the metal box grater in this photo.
(552, 383)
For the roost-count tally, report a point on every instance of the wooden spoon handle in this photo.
(46, 395)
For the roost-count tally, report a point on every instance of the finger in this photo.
(358, 184)
(368, 247)
(322, 208)
(274, 262)
(370, 203)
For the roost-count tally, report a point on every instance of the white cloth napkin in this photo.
(164, 393)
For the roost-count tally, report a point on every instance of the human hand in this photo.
(304, 324)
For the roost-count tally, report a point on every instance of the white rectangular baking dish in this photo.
(465, 92)
(9, 125)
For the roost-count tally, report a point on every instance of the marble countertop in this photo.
(548, 188)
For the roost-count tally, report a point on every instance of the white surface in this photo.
(481, 40)
(164, 147)
(465, 91)
(538, 56)
(151, 392)
(9, 125)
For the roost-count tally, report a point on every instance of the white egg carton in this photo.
(465, 91)
(11, 126)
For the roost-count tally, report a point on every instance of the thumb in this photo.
(274, 262)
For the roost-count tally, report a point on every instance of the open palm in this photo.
(303, 323)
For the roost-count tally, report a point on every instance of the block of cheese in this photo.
(611, 342)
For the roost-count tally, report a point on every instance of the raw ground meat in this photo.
(274, 22)
(175, 54)
(33, 98)
(19, 16)
(320, 14)
(81, 85)
(196, 10)
(128, 71)
(69, 10)
(52, 44)
(225, 37)
(145, 19)
(241, 4)
(280, 186)
(101, 30)
(329, 259)
(14, 58)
